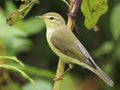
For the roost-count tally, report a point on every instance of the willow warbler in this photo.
(67, 47)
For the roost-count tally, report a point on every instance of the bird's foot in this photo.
(56, 78)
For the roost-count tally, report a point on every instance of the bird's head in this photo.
(52, 20)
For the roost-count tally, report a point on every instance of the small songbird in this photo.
(67, 47)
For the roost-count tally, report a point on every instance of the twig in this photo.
(73, 10)
(60, 71)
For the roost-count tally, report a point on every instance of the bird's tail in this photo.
(102, 75)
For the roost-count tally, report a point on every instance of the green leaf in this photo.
(16, 37)
(115, 21)
(92, 10)
(10, 7)
(41, 85)
(11, 58)
(13, 37)
(104, 49)
(17, 44)
(6, 66)
(37, 72)
(33, 25)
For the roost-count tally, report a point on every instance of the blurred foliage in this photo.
(20, 13)
(92, 10)
(26, 40)
(115, 21)
(14, 40)
(41, 84)
(16, 36)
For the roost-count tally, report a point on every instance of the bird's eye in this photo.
(51, 18)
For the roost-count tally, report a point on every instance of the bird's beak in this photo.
(40, 17)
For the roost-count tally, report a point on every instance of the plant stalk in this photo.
(73, 10)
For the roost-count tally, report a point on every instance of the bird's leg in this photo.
(61, 76)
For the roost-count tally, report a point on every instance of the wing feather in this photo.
(70, 46)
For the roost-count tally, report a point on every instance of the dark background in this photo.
(97, 43)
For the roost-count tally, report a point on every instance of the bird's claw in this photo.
(58, 78)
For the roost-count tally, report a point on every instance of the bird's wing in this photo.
(71, 48)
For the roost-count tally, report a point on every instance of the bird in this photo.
(67, 47)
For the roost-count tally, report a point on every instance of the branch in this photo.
(73, 10)
(60, 71)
